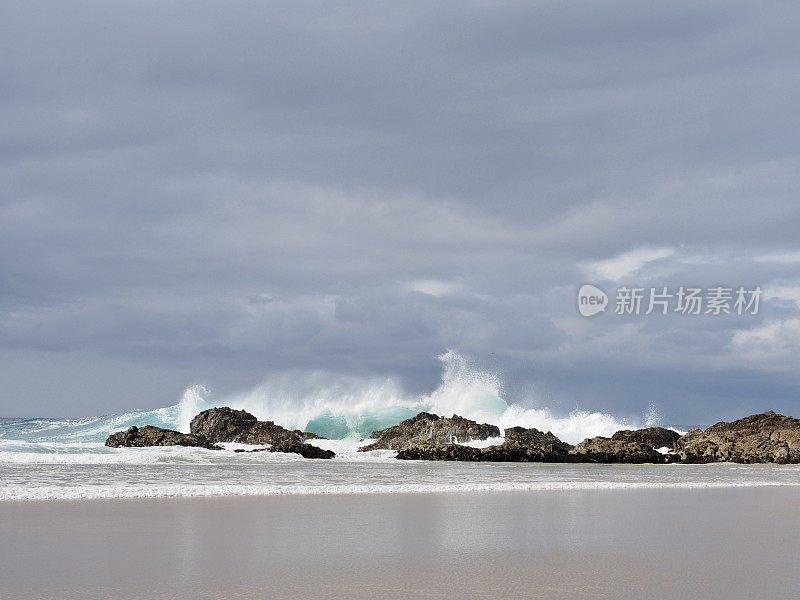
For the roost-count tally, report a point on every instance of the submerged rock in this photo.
(426, 429)
(607, 450)
(655, 437)
(763, 438)
(148, 435)
(229, 425)
(301, 448)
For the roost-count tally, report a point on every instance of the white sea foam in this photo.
(483, 443)
(196, 490)
(329, 404)
(342, 407)
(14, 452)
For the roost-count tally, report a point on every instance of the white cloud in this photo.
(433, 287)
(627, 262)
(769, 345)
(784, 258)
(787, 292)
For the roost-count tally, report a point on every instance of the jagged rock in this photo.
(532, 445)
(534, 437)
(450, 452)
(761, 438)
(655, 437)
(148, 435)
(301, 448)
(528, 445)
(427, 429)
(520, 445)
(606, 450)
(229, 425)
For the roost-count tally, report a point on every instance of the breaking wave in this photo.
(341, 407)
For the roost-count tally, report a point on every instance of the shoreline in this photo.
(41, 482)
(63, 494)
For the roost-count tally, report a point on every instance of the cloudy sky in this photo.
(216, 192)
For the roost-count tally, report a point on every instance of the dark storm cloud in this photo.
(210, 192)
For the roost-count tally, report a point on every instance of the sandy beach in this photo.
(668, 543)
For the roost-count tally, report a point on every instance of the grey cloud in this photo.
(207, 193)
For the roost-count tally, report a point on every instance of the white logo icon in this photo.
(591, 300)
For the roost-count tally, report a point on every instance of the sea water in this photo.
(67, 458)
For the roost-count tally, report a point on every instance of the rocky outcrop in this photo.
(428, 437)
(304, 450)
(528, 445)
(448, 452)
(427, 429)
(534, 438)
(767, 437)
(520, 445)
(607, 450)
(763, 438)
(148, 435)
(230, 425)
(655, 437)
(301, 448)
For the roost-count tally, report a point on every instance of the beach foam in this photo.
(190, 491)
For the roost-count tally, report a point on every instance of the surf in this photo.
(341, 407)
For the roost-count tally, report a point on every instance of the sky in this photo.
(214, 193)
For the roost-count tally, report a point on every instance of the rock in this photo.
(427, 429)
(303, 449)
(528, 445)
(655, 437)
(148, 435)
(763, 438)
(450, 452)
(534, 438)
(767, 437)
(520, 445)
(229, 425)
(606, 450)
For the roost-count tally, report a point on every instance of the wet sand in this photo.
(622, 544)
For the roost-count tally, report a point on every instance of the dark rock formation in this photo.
(301, 448)
(453, 452)
(762, 438)
(767, 437)
(428, 437)
(528, 445)
(655, 437)
(534, 437)
(229, 425)
(606, 450)
(148, 435)
(426, 429)
(520, 445)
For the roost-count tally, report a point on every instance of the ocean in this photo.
(67, 458)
